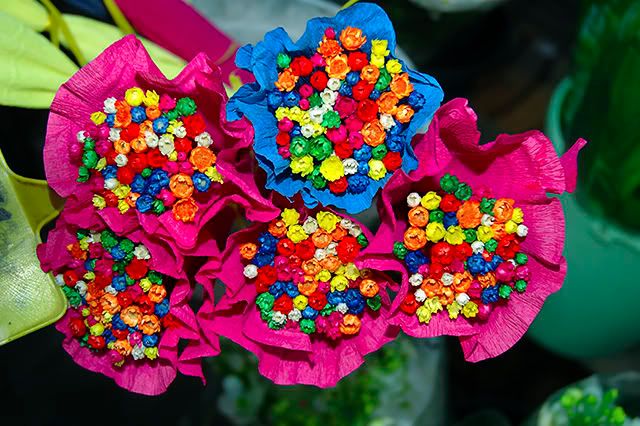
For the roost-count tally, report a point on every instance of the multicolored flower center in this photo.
(463, 251)
(153, 153)
(305, 275)
(342, 109)
(121, 307)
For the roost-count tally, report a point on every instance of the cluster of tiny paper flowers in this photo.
(153, 172)
(305, 277)
(119, 305)
(341, 112)
(152, 151)
(463, 253)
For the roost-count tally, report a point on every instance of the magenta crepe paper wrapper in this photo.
(125, 64)
(146, 376)
(523, 167)
(287, 356)
(202, 36)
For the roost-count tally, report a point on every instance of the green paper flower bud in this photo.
(505, 291)
(274, 325)
(521, 258)
(118, 267)
(172, 115)
(383, 80)
(146, 172)
(486, 205)
(362, 240)
(379, 152)
(186, 106)
(265, 301)
(469, 235)
(127, 245)
(317, 180)
(307, 326)
(321, 148)
(266, 315)
(89, 144)
(155, 277)
(83, 174)
(315, 100)
(283, 60)
(491, 245)
(327, 310)
(436, 215)
(463, 192)
(399, 250)
(73, 296)
(81, 233)
(157, 207)
(108, 239)
(521, 286)
(299, 146)
(375, 302)
(331, 119)
(90, 159)
(449, 183)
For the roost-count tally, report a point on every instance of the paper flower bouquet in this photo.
(170, 185)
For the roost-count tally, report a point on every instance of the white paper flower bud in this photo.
(110, 106)
(355, 231)
(151, 139)
(462, 299)
(522, 231)
(141, 252)
(513, 262)
(350, 166)
(320, 254)
(310, 225)
(109, 289)
(315, 114)
(204, 139)
(165, 144)
(95, 237)
(387, 121)
(137, 352)
(487, 220)
(416, 280)
(346, 223)
(329, 97)
(121, 160)
(477, 247)
(60, 280)
(250, 271)
(420, 295)
(342, 308)
(307, 130)
(179, 132)
(279, 318)
(80, 136)
(81, 286)
(413, 199)
(332, 248)
(111, 184)
(333, 84)
(295, 315)
(114, 135)
(447, 279)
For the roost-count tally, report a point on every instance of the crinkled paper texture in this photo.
(251, 101)
(125, 64)
(523, 167)
(146, 376)
(287, 356)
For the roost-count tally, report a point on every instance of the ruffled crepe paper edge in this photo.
(203, 36)
(147, 377)
(452, 144)
(250, 101)
(285, 356)
(124, 64)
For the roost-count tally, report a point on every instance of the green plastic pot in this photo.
(597, 310)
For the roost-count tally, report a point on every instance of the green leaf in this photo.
(29, 12)
(31, 68)
(94, 36)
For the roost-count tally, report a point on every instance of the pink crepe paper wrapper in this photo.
(202, 36)
(146, 376)
(523, 167)
(125, 64)
(286, 356)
